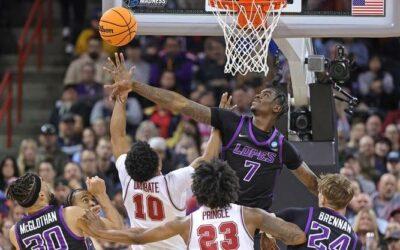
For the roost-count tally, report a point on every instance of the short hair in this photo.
(22, 188)
(280, 98)
(141, 162)
(215, 184)
(70, 200)
(337, 189)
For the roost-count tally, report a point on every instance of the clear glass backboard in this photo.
(301, 18)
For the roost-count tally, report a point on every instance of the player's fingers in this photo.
(108, 70)
(117, 62)
(234, 107)
(111, 62)
(223, 100)
(229, 102)
(121, 56)
(132, 70)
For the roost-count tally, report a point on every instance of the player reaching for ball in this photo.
(151, 198)
(217, 224)
(252, 146)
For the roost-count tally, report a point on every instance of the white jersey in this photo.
(219, 229)
(161, 199)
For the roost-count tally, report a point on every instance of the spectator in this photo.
(104, 107)
(68, 140)
(386, 199)
(367, 158)
(90, 168)
(69, 98)
(393, 240)
(392, 133)
(170, 160)
(105, 164)
(173, 58)
(241, 98)
(365, 222)
(168, 81)
(356, 133)
(187, 146)
(382, 148)
(81, 45)
(395, 215)
(5, 242)
(133, 53)
(46, 171)
(49, 149)
(374, 126)
(61, 191)
(145, 131)
(211, 67)
(352, 171)
(393, 164)
(375, 72)
(89, 141)
(27, 158)
(88, 87)
(73, 175)
(8, 172)
(392, 117)
(363, 201)
(359, 51)
(93, 55)
(100, 128)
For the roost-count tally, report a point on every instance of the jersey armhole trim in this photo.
(244, 224)
(238, 129)
(355, 241)
(17, 235)
(281, 148)
(190, 231)
(309, 219)
(63, 222)
(170, 198)
(126, 189)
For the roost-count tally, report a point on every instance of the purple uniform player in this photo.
(325, 226)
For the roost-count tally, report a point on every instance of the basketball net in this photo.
(248, 26)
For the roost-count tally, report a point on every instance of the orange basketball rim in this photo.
(249, 11)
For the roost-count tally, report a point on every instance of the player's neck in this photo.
(35, 208)
(264, 123)
(339, 211)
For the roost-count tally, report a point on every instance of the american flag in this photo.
(368, 8)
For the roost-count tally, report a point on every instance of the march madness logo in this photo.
(145, 3)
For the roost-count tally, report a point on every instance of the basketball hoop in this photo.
(248, 26)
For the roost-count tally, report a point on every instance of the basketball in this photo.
(118, 26)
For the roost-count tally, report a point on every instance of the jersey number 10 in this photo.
(155, 208)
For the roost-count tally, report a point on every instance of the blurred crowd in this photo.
(74, 143)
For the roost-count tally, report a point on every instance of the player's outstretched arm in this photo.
(165, 98)
(92, 227)
(97, 187)
(13, 238)
(288, 233)
(307, 177)
(118, 128)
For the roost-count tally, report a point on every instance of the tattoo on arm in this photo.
(307, 177)
(174, 102)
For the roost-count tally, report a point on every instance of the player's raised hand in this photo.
(120, 90)
(226, 102)
(91, 224)
(118, 70)
(96, 186)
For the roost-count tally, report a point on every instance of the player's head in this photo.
(142, 162)
(335, 191)
(29, 190)
(215, 184)
(81, 198)
(271, 101)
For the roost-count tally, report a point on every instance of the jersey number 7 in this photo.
(254, 166)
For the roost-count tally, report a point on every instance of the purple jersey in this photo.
(325, 229)
(46, 229)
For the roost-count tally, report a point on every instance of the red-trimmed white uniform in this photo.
(219, 229)
(161, 199)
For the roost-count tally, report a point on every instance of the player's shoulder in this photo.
(72, 211)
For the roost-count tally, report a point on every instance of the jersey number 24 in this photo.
(315, 240)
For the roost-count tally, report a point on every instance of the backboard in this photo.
(302, 18)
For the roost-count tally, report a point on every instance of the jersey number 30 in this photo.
(155, 208)
(314, 240)
(208, 235)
